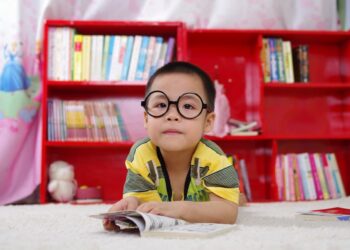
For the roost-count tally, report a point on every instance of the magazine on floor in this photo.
(150, 225)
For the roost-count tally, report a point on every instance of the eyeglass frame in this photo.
(176, 103)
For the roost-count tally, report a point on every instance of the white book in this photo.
(245, 133)
(60, 61)
(244, 127)
(331, 158)
(156, 55)
(288, 61)
(309, 178)
(51, 53)
(96, 58)
(93, 66)
(162, 56)
(134, 58)
(115, 58)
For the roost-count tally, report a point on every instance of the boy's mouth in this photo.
(172, 132)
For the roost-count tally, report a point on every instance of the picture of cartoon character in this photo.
(13, 76)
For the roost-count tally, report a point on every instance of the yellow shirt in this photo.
(209, 172)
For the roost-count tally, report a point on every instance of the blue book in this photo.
(127, 58)
(273, 60)
(109, 57)
(303, 173)
(142, 58)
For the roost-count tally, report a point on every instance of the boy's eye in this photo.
(188, 106)
(160, 105)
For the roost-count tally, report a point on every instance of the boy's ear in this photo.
(209, 122)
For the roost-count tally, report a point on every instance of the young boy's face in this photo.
(173, 132)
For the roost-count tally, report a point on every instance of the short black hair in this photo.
(187, 68)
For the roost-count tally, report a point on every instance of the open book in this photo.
(150, 225)
(327, 214)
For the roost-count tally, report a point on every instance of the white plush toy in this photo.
(62, 185)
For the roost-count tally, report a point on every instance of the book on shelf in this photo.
(301, 63)
(308, 176)
(325, 214)
(245, 178)
(77, 57)
(243, 128)
(151, 225)
(280, 62)
(97, 120)
(234, 160)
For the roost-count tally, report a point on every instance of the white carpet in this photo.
(259, 226)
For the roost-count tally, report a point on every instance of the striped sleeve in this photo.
(137, 184)
(223, 183)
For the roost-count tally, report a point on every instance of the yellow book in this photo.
(77, 58)
(86, 58)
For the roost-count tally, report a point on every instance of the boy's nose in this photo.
(172, 113)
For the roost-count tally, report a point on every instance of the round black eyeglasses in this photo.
(188, 105)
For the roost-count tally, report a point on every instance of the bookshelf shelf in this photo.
(311, 117)
(89, 144)
(314, 86)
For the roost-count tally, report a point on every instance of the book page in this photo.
(190, 230)
(153, 221)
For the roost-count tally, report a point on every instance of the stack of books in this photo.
(243, 128)
(308, 176)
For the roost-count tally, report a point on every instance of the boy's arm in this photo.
(217, 210)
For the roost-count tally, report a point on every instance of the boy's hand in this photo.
(128, 203)
(170, 209)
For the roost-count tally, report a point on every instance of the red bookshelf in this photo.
(295, 118)
(100, 163)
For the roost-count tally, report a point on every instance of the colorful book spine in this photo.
(170, 50)
(285, 166)
(142, 58)
(331, 158)
(329, 177)
(291, 176)
(305, 176)
(288, 61)
(279, 177)
(115, 59)
(280, 59)
(105, 52)
(78, 44)
(265, 60)
(127, 58)
(156, 55)
(150, 52)
(134, 58)
(299, 193)
(273, 60)
(86, 58)
(245, 177)
(317, 183)
(321, 175)
(109, 57)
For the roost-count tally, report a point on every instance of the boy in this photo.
(175, 172)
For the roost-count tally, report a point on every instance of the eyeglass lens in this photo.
(189, 105)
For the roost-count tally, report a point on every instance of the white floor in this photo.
(259, 226)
